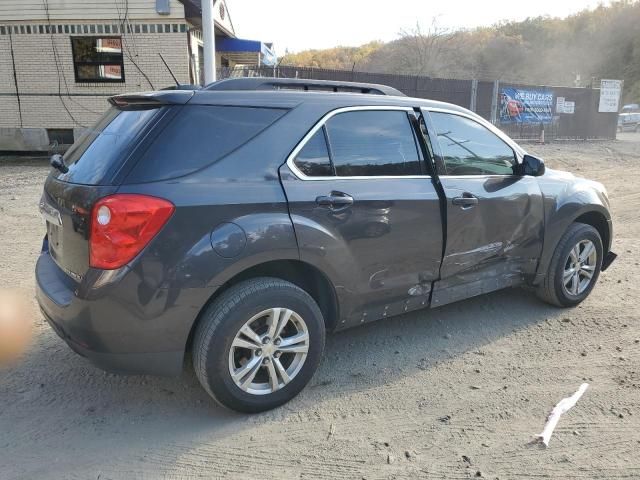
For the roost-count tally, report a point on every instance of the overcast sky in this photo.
(302, 24)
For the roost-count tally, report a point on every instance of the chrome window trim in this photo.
(321, 123)
(517, 150)
(480, 176)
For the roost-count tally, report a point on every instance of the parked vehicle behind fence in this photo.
(629, 122)
(240, 222)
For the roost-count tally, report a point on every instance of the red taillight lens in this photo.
(122, 225)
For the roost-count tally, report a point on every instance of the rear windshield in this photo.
(102, 148)
(197, 137)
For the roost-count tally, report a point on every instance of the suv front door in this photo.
(494, 216)
(365, 210)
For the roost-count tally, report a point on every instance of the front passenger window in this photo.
(468, 148)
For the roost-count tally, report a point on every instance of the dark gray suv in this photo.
(240, 222)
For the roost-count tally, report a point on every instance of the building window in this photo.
(97, 59)
(60, 136)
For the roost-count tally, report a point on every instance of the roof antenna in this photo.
(165, 64)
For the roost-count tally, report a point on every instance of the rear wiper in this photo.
(57, 162)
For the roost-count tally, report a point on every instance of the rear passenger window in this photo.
(373, 143)
(198, 136)
(313, 160)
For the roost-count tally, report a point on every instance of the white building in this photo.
(61, 59)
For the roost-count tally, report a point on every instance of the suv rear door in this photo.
(366, 211)
(495, 217)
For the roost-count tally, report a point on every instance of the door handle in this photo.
(466, 200)
(335, 200)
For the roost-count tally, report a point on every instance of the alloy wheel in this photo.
(269, 351)
(580, 267)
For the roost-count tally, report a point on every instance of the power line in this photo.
(15, 76)
(126, 51)
(56, 59)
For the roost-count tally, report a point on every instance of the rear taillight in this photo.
(122, 225)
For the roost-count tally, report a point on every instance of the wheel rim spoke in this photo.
(301, 348)
(274, 319)
(295, 344)
(575, 286)
(248, 332)
(575, 254)
(247, 373)
(285, 317)
(587, 273)
(587, 251)
(274, 383)
(281, 370)
(242, 343)
(568, 275)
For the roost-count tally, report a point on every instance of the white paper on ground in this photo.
(563, 406)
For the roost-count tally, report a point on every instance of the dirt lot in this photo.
(451, 393)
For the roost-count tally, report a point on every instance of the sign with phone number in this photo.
(530, 105)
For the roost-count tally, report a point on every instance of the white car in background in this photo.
(629, 122)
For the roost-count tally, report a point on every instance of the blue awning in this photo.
(246, 51)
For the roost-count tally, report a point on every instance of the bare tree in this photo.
(420, 52)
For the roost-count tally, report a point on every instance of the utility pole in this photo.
(208, 41)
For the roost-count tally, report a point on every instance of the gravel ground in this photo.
(453, 393)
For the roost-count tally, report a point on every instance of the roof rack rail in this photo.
(266, 83)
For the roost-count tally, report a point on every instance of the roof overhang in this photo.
(246, 52)
(222, 19)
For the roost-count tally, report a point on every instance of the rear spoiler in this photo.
(137, 101)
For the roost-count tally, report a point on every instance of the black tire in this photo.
(552, 289)
(223, 319)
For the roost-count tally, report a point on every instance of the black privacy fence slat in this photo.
(585, 123)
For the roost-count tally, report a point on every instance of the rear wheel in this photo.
(258, 344)
(574, 267)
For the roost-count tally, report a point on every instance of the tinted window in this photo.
(470, 149)
(101, 149)
(373, 143)
(313, 160)
(197, 137)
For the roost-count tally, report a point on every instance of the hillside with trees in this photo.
(591, 44)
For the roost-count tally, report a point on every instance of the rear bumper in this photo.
(121, 327)
(162, 363)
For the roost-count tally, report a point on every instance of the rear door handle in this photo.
(466, 200)
(335, 200)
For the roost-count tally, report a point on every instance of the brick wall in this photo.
(39, 81)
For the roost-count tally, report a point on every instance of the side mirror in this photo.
(532, 166)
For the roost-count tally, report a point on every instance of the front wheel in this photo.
(574, 267)
(258, 344)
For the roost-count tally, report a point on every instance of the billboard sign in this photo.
(526, 105)
(610, 95)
